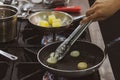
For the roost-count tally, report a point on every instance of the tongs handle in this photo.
(62, 50)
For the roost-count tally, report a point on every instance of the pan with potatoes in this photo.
(83, 59)
(52, 19)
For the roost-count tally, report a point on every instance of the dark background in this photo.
(110, 29)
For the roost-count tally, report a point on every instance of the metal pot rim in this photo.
(12, 8)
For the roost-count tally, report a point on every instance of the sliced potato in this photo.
(51, 18)
(56, 23)
(75, 53)
(82, 65)
(43, 23)
(51, 54)
(52, 60)
(57, 20)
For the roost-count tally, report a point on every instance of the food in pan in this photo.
(51, 54)
(52, 21)
(56, 23)
(51, 18)
(52, 59)
(82, 65)
(75, 53)
(43, 23)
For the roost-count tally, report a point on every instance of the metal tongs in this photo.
(64, 47)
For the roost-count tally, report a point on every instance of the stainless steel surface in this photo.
(8, 55)
(79, 17)
(62, 50)
(8, 23)
(26, 7)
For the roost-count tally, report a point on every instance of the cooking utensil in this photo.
(8, 23)
(8, 55)
(62, 50)
(67, 67)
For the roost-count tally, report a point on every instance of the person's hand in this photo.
(101, 9)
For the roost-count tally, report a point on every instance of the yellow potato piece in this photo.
(75, 53)
(51, 60)
(57, 20)
(43, 23)
(56, 23)
(51, 18)
(82, 65)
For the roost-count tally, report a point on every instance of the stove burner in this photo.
(49, 39)
(48, 76)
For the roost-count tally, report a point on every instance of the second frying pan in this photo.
(89, 53)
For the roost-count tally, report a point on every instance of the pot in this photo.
(67, 67)
(8, 23)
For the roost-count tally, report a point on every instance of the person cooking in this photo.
(101, 10)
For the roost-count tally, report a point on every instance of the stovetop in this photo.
(26, 46)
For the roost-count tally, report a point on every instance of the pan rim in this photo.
(87, 69)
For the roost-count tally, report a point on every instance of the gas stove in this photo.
(26, 46)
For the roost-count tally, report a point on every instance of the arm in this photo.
(102, 9)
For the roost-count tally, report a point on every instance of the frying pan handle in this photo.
(8, 55)
(112, 44)
(79, 17)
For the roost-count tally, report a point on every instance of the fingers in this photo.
(93, 17)
(89, 15)
(94, 13)
(90, 11)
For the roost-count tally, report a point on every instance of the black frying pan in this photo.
(89, 53)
